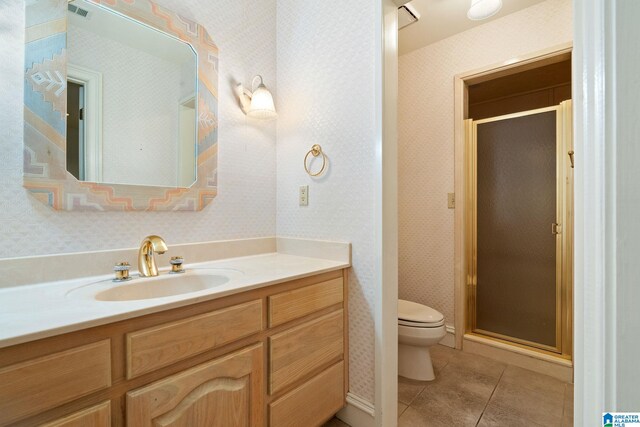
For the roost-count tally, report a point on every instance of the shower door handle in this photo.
(571, 153)
(555, 228)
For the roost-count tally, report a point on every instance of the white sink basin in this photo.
(164, 285)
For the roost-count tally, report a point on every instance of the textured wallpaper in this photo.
(245, 32)
(326, 96)
(141, 94)
(426, 139)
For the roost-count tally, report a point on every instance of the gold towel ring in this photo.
(315, 151)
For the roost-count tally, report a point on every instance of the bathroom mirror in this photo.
(131, 112)
(120, 106)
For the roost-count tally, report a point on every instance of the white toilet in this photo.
(419, 327)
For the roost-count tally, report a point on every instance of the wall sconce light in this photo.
(258, 104)
(483, 9)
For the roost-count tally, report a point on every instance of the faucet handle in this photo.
(176, 264)
(122, 272)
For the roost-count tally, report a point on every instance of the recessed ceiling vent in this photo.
(77, 10)
(407, 15)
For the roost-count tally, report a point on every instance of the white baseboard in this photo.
(358, 412)
(450, 339)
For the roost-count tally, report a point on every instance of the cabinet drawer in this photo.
(159, 346)
(312, 403)
(96, 416)
(296, 303)
(299, 351)
(39, 384)
(226, 392)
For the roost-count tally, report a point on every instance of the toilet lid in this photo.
(418, 313)
(420, 324)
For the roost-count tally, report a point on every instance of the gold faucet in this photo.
(146, 259)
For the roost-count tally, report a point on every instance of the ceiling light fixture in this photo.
(483, 9)
(258, 104)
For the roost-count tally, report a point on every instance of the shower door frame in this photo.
(564, 196)
(461, 83)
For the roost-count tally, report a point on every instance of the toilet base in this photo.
(415, 363)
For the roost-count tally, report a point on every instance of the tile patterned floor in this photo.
(471, 390)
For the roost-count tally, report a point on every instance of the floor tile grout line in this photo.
(492, 393)
(448, 361)
(409, 405)
(400, 414)
(445, 365)
(416, 396)
(425, 387)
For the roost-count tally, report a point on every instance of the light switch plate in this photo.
(451, 198)
(304, 195)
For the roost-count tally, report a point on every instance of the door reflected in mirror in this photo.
(131, 101)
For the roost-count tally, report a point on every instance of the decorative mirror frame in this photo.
(45, 105)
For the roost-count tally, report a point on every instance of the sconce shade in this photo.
(483, 9)
(262, 106)
(258, 104)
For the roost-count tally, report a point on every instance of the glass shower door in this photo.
(516, 220)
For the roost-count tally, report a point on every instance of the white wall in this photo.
(426, 139)
(326, 95)
(607, 319)
(245, 32)
(627, 314)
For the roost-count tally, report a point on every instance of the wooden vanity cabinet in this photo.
(226, 392)
(275, 356)
(99, 415)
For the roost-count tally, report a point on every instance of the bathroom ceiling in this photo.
(440, 19)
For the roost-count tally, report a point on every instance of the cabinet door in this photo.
(226, 392)
(96, 416)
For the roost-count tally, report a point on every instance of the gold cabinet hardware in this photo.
(571, 153)
(122, 272)
(556, 228)
(176, 264)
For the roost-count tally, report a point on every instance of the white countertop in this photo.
(32, 312)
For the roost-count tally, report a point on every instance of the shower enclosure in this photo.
(519, 228)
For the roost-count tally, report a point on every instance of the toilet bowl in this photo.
(419, 327)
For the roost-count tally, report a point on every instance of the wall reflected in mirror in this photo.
(131, 101)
